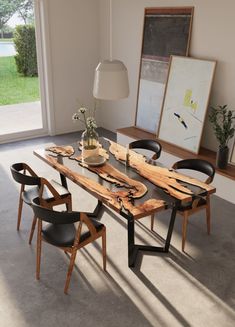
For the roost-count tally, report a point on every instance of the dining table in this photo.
(128, 182)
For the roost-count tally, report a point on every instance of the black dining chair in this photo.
(53, 193)
(61, 232)
(189, 208)
(151, 145)
(147, 144)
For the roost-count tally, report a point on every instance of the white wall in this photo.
(73, 33)
(212, 38)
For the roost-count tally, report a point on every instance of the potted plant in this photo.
(221, 119)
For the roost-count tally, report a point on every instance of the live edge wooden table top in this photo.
(134, 190)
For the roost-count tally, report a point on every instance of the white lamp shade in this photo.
(111, 80)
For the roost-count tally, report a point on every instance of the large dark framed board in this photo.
(166, 32)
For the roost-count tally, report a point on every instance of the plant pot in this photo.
(222, 157)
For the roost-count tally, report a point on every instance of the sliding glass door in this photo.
(22, 98)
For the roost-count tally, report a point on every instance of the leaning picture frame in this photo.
(166, 32)
(186, 101)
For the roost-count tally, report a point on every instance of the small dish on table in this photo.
(94, 161)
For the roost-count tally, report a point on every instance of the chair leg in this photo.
(184, 229)
(104, 249)
(39, 248)
(70, 270)
(152, 221)
(32, 229)
(19, 211)
(208, 216)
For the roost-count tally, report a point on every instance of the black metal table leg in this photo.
(95, 213)
(60, 160)
(63, 181)
(171, 226)
(64, 184)
(132, 250)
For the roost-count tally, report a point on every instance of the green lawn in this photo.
(15, 88)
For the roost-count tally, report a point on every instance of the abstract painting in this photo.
(166, 32)
(186, 101)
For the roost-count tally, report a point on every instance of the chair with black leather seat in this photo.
(147, 144)
(61, 232)
(187, 209)
(151, 145)
(53, 193)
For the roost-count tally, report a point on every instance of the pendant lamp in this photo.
(111, 76)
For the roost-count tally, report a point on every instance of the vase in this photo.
(222, 157)
(90, 143)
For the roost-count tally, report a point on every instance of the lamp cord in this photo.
(110, 31)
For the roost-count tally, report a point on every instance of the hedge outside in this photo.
(25, 45)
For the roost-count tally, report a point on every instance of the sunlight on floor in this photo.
(9, 311)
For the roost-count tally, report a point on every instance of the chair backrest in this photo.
(52, 216)
(147, 144)
(200, 165)
(19, 173)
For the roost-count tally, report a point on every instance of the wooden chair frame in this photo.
(76, 246)
(42, 183)
(26, 169)
(187, 213)
(55, 201)
(195, 208)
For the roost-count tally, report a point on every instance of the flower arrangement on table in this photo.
(90, 138)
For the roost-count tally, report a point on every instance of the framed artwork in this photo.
(166, 32)
(185, 102)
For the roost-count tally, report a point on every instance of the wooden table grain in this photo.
(133, 188)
